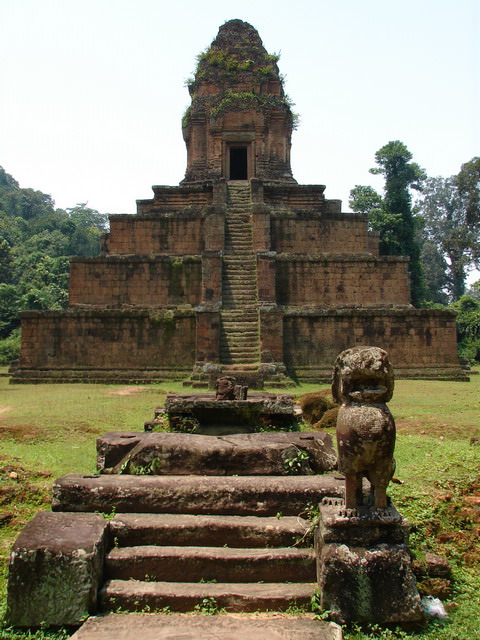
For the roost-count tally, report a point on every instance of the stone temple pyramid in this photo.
(239, 269)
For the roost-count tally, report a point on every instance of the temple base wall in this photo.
(146, 345)
(421, 342)
(341, 280)
(103, 345)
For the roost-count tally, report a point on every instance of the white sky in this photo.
(92, 91)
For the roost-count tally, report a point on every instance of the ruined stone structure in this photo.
(239, 269)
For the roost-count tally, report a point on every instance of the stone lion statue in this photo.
(225, 388)
(362, 384)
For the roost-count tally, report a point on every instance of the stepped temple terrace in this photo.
(239, 270)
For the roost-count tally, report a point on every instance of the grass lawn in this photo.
(49, 430)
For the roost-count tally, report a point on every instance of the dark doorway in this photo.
(238, 163)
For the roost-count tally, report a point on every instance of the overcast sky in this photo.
(93, 90)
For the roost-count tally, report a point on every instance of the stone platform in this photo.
(202, 413)
(191, 627)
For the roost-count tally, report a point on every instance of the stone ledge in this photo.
(339, 257)
(137, 258)
(402, 311)
(156, 313)
(228, 495)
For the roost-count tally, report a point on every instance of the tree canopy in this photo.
(36, 242)
(391, 214)
(450, 210)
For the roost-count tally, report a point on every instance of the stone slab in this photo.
(222, 564)
(228, 495)
(191, 627)
(115, 445)
(245, 454)
(235, 531)
(240, 597)
(55, 569)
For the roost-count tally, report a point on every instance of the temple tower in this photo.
(239, 124)
(239, 269)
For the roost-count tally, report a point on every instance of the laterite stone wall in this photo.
(341, 280)
(107, 340)
(415, 338)
(174, 234)
(135, 280)
(313, 234)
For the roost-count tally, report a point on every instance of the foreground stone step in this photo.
(221, 564)
(136, 595)
(234, 531)
(229, 495)
(193, 627)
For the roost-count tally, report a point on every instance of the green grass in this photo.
(50, 430)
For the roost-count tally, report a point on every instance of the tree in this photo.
(392, 214)
(36, 241)
(468, 327)
(474, 290)
(468, 184)
(435, 273)
(451, 212)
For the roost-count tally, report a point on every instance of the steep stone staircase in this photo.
(239, 340)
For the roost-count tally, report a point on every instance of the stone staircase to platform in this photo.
(239, 338)
(235, 543)
(178, 542)
(236, 563)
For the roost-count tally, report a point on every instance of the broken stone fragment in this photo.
(434, 566)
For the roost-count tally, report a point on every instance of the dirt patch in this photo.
(21, 432)
(455, 526)
(21, 485)
(126, 391)
(4, 409)
(429, 428)
(19, 472)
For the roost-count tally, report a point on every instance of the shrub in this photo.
(10, 347)
(328, 421)
(315, 404)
